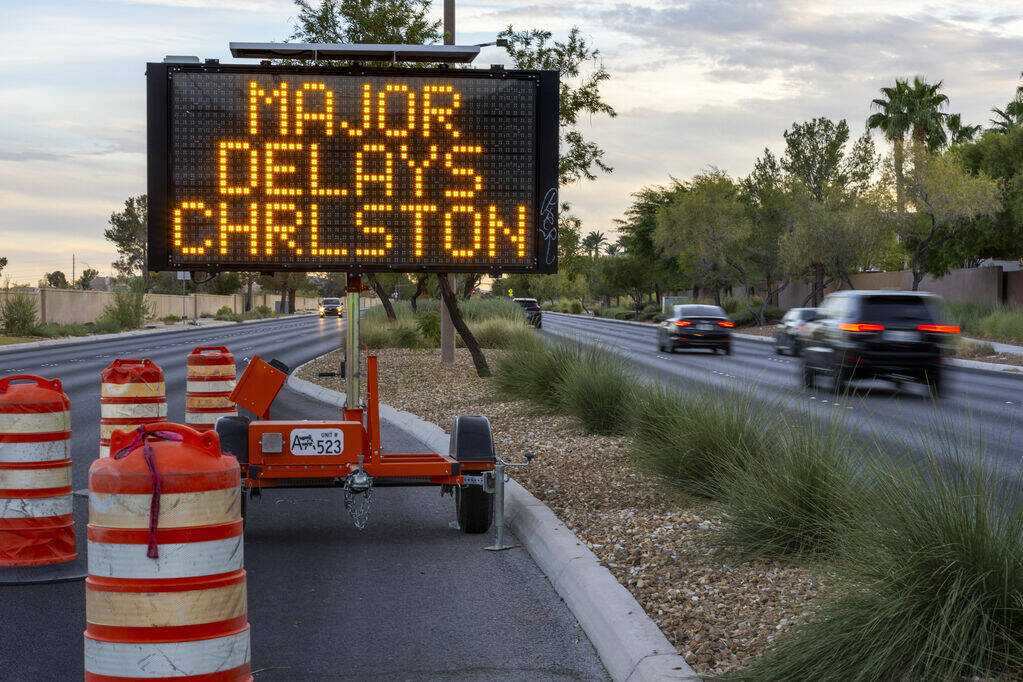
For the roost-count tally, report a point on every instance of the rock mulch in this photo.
(719, 616)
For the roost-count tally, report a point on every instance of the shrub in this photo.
(263, 311)
(106, 325)
(575, 307)
(600, 392)
(797, 500)
(18, 314)
(695, 442)
(225, 310)
(128, 310)
(406, 337)
(429, 326)
(375, 335)
(743, 316)
(1002, 321)
(536, 371)
(52, 330)
(500, 332)
(480, 309)
(974, 349)
(931, 589)
(171, 319)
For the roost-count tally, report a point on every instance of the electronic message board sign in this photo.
(275, 168)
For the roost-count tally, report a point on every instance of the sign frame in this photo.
(159, 159)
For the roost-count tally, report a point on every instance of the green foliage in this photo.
(406, 337)
(575, 307)
(226, 283)
(374, 335)
(3, 263)
(930, 589)
(397, 22)
(18, 314)
(128, 310)
(171, 319)
(263, 311)
(694, 442)
(127, 232)
(536, 372)
(600, 392)
(429, 326)
(84, 280)
(225, 310)
(56, 279)
(975, 349)
(500, 332)
(52, 330)
(579, 97)
(106, 325)
(479, 309)
(797, 499)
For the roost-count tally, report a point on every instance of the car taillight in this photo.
(939, 328)
(682, 323)
(726, 323)
(860, 327)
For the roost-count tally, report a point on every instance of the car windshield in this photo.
(699, 311)
(331, 301)
(896, 309)
(528, 303)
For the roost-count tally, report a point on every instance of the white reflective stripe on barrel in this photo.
(177, 510)
(165, 609)
(35, 507)
(104, 450)
(222, 370)
(167, 659)
(207, 417)
(177, 560)
(39, 451)
(34, 422)
(210, 386)
(132, 410)
(133, 390)
(34, 479)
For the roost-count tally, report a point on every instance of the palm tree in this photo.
(923, 106)
(1012, 115)
(892, 119)
(592, 242)
(958, 131)
(613, 249)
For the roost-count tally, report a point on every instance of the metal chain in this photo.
(360, 512)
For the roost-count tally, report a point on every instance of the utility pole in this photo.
(447, 327)
(72, 271)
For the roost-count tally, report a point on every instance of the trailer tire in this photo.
(475, 509)
(472, 441)
(234, 439)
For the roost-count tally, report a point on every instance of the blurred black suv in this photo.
(894, 335)
(531, 308)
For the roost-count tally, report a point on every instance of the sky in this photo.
(696, 83)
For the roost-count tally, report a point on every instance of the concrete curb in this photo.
(992, 367)
(631, 646)
(72, 340)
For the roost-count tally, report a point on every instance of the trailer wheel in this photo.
(472, 441)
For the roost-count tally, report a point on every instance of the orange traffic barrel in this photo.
(211, 379)
(133, 394)
(165, 595)
(36, 523)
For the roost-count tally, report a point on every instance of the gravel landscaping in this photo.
(719, 616)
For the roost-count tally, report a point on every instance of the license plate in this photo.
(316, 442)
(705, 327)
(901, 336)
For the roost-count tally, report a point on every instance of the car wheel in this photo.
(809, 376)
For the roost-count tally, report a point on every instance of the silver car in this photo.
(790, 336)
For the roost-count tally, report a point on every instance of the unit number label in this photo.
(317, 442)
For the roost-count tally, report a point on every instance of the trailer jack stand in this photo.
(494, 483)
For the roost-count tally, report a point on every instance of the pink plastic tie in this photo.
(142, 438)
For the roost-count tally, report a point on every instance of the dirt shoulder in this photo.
(719, 616)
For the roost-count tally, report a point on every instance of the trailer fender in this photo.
(471, 439)
(234, 438)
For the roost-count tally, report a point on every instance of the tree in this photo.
(958, 132)
(947, 198)
(366, 21)
(892, 119)
(637, 230)
(579, 95)
(225, 283)
(592, 243)
(56, 279)
(84, 280)
(1011, 116)
(381, 292)
(3, 264)
(127, 232)
(923, 107)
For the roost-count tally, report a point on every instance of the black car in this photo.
(532, 310)
(330, 306)
(894, 335)
(788, 338)
(696, 326)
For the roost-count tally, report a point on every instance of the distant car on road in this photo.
(894, 335)
(696, 326)
(532, 309)
(330, 306)
(788, 338)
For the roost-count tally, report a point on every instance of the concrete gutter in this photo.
(89, 338)
(631, 646)
(993, 367)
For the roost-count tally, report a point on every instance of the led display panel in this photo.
(361, 170)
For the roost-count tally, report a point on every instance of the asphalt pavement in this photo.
(409, 598)
(981, 410)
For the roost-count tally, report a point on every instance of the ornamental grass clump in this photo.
(536, 371)
(696, 442)
(501, 332)
(799, 501)
(931, 587)
(601, 392)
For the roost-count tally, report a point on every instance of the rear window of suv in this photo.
(916, 309)
(528, 303)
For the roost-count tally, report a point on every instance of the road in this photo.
(407, 599)
(979, 407)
